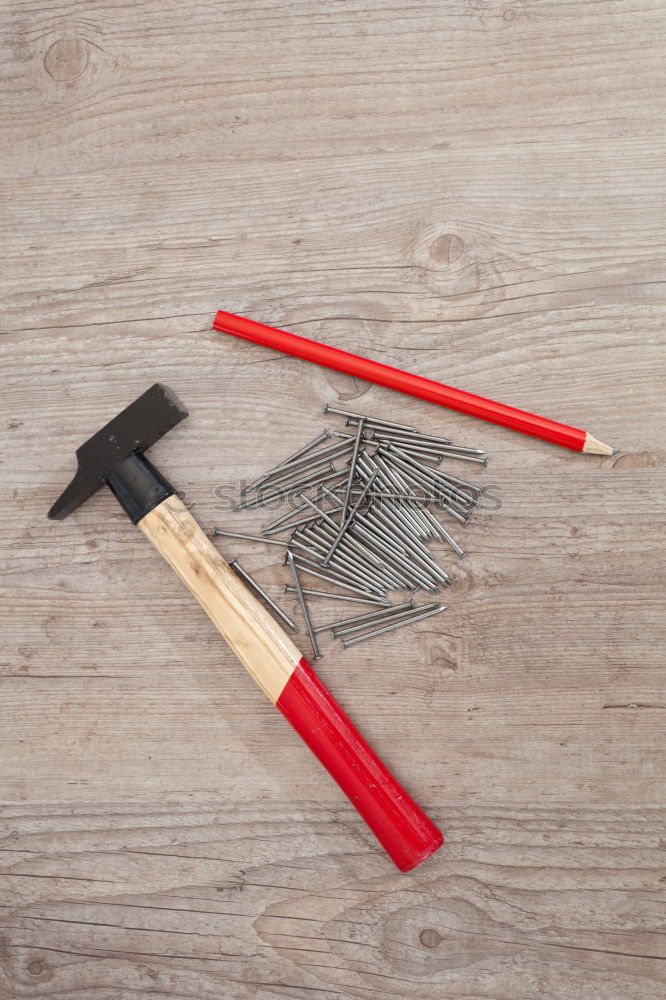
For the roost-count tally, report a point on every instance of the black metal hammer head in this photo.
(133, 430)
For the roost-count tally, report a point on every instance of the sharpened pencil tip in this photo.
(595, 447)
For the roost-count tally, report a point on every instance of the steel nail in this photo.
(352, 467)
(350, 546)
(402, 516)
(416, 550)
(363, 557)
(352, 528)
(412, 476)
(438, 494)
(442, 505)
(249, 538)
(373, 523)
(435, 476)
(394, 477)
(338, 633)
(404, 531)
(292, 458)
(303, 604)
(329, 523)
(307, 469)
(235, 565)
(387, 548)
(285, 517)
(265, 498)
(441, 531)
(379, 539)
(333, 451)
(322, 513)
(396, 573)
(362, 562)
(389, 628)
(368, 569)
(422, 453)
(464, 451)
(346, 522)
(437, 446)
(345, 566)
(330, 578)
(305, 461)
(448, 478)
(405, 516)
(371, 616)
(411, 437)
(407, 498)
(342, 573)
(465, 458)
(291, 525)
(368, 420)
(369, 599)
(346, 574)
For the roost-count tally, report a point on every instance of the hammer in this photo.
(115, 456)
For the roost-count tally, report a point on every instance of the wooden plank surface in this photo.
(189, 899)
(474, 191)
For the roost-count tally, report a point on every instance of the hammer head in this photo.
(134, 429)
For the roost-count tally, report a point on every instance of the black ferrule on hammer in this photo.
(138, 486)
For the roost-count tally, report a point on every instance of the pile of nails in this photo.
(362, 529)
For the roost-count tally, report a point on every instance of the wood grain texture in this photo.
(259, 642)
(183, 899)
(473, 190)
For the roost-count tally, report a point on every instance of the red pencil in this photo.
(413, 385)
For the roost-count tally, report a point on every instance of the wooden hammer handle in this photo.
(276, 664)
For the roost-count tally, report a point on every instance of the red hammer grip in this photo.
(401, 827)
